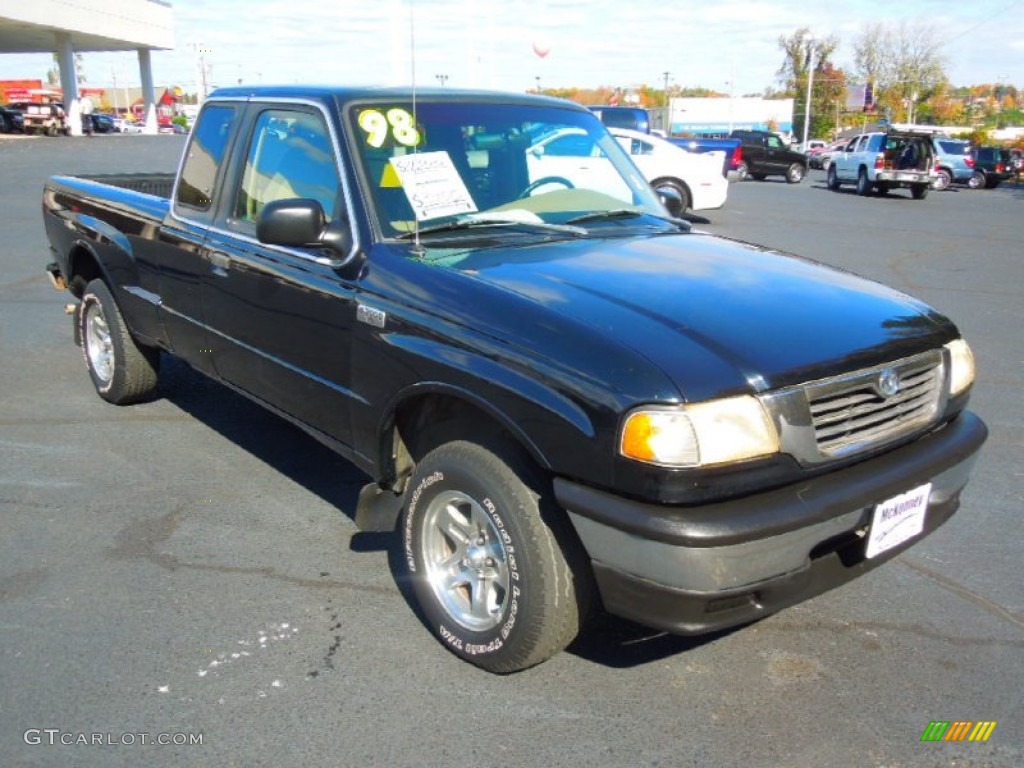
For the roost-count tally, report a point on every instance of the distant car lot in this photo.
(146, 549)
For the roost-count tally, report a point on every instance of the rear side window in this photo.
(954, 147)
(206, 150)
(875, 143)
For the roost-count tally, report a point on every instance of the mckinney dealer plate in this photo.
(897, 519)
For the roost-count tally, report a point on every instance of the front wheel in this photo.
(122, 370)
(832, 179)
(500, 581)
(795, 173)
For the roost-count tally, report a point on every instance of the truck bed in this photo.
(157, 184)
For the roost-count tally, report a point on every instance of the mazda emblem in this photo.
(888, 383)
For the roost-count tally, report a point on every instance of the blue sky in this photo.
(719, 44)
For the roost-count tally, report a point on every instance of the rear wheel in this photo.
(678, 187)
(863, 185)
(742, 171)
(122, 370)
(795, 173)
(943, 180)
(919, 191)
(977, 180)
(500, 579)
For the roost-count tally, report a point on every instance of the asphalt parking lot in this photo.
(190, 567)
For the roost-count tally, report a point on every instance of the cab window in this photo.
(289, 156)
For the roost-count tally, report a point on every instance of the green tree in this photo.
(801, 50)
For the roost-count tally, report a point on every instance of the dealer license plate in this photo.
(897, 519)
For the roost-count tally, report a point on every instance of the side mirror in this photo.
(294, 222)
(300, 222)
(671, 200)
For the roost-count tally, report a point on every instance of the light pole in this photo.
(665, 117)
(810, 85)
(442, 79)
(537, 78)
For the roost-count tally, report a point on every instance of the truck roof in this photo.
(347, 93)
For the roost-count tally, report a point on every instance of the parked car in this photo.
(125, 125)
(813, 145)
(43, 118)
(953, 162)
(992, 166)
(696, 178)
(1017, 156)
(634, 118)
(766, 154)
(103, 123)
(824, 158)
(11, 121)
(814, 155)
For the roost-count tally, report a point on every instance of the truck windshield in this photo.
(523, 162)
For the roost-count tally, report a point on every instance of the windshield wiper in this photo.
(475, 222)
(614, 213)
(628, 213)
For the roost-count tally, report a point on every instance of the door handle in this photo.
(220, 262)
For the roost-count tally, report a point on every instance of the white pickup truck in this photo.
(883, 161)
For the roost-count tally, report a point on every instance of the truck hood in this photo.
(717, 316)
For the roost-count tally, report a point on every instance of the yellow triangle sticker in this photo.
(390, 177)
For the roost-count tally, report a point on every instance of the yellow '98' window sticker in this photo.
(391, 127)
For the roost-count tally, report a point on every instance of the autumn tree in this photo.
(904, 64)
(800, 51)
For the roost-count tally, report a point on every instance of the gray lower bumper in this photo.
(721, 549)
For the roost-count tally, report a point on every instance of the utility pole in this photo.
(665, 115)
(810, 86)
(204, 70)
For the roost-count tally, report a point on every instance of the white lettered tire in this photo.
(122, 370)
(496, 570)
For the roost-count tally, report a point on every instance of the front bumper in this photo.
(692, 570)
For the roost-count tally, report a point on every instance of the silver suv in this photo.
(954, 162)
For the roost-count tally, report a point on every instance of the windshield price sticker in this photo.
(898, 519)
(395, 126)
(432, 184)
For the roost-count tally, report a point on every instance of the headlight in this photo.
(699, 434)
(961, 366)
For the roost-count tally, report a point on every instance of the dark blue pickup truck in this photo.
(565, 400)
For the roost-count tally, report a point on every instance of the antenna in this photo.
(417, 248)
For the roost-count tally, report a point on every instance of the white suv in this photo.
(884, 161)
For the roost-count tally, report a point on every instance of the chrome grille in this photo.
(851, 413)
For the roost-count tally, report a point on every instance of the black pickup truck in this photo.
(566, 399)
